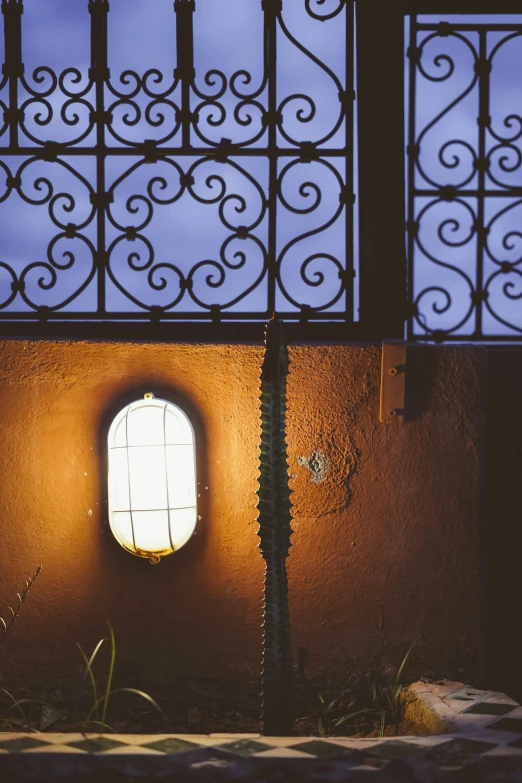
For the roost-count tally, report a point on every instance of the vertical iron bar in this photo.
(185, 71)
(380, 91)
(349, 161)
(482, 122)
(129, 476)
(99, 74)
(412, 160)
(272, 8)
(167, 472)
(13, 67)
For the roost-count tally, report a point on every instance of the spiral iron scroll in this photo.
(465, 182)
(167, 131)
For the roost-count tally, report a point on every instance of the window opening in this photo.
(177, 160)
(464, 177)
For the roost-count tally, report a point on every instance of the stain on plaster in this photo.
(317, 464)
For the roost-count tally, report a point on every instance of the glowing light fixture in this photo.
(152, 478)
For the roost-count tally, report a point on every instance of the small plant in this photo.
(97, 715)
(5, 627)
(92, 717)
(364, 703)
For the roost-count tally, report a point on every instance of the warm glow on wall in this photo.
(152, 478)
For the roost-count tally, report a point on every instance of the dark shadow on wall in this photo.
(141, 593)
(503, 522)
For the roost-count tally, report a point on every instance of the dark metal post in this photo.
(185, 60)
(13, 67)
(348, 103)
(272, 8)
(380, 50)
(99, 74)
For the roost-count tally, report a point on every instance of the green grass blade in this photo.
(142, 695)
(88, 671)
(401, 667)
(349, 715)
(17, 705)
(111, 672)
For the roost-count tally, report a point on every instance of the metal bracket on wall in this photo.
(393, 382)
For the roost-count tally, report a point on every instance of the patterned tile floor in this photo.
(485, 729)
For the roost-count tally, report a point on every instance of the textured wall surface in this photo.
(387, 518)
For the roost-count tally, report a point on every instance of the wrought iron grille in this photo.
(184, 194)
(465, 178)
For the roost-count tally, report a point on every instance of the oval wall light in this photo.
(152, 478)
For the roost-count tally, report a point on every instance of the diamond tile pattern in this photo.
(171, 745)
(245, 747)
(322, 748)
(490, 708)
(21, 743)
(473, 740)
(391, 749)
(96, 744)
(507, 724)
(457, 751)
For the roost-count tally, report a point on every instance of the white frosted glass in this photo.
(182, 525)
(177, 428)
(122, 528)
(146, 425)
(119, 480)
(181, 476)
(147, 476)
(151, 530)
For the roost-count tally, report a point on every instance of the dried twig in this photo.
(5, 627)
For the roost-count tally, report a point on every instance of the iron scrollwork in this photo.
(115, 162)
(465, 182)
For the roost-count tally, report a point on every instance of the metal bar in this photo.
(185, 61)
(13, 68)
(482, 122)
(230, 332)
(411, 173)
(458, 27)
(129, 478)
(271, 10)
(99, 73)
(350, 152)
(261, 152)
(381, 169)
(444, 7)
(166, 472)
(508, 192)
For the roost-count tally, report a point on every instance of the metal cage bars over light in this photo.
(152, 478)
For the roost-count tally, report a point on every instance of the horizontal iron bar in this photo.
(468, 339)
(194, 152)
(513, 192)
(147, 510)
(138, 317)
(479, 27)
(444, 7)
(235, 333)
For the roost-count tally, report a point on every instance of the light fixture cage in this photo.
(152, 478)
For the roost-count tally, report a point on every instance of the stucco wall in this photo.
(386, 517)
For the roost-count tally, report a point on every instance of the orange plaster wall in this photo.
(392, 521)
